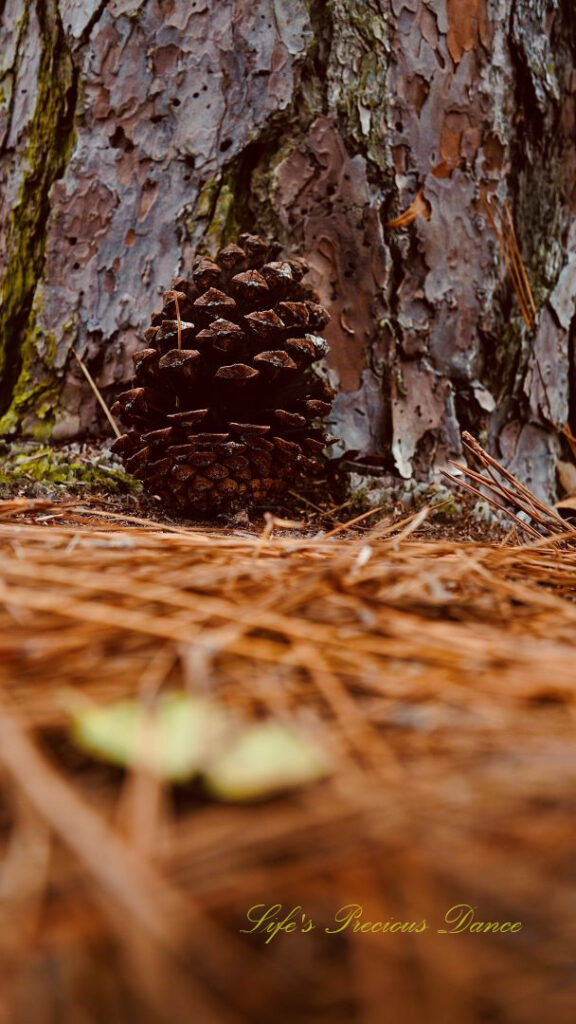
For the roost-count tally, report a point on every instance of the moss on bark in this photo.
(27, 380)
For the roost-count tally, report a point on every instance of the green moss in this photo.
(39, 469)
(222, 224)
(216, 212)
(36, 388)
(358, 500)
(446, 508)
(224, 207)
(25, 383)
(206, 200)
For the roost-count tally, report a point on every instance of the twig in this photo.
(97, 393)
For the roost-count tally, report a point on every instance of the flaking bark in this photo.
(132, 132)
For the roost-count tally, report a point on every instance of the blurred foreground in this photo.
(439, 676)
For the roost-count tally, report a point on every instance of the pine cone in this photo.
(223, 411)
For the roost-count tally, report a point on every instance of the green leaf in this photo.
(173, 739)
(263, 760)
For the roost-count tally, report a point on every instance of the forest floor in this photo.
(431, 661)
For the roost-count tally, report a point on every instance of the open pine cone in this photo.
(223, 411)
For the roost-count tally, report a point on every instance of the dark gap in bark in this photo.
(572, 377)
(528, 145)
(564, 29)
(83, 39)
(316, 64)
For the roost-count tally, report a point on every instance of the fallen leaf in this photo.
(566, 476)
(264, 760)
(173, 739)
(419, 208)
(182, 736)
(443, 170)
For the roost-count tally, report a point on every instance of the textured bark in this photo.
(131, 132)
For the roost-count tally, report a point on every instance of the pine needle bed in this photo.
(439, 675)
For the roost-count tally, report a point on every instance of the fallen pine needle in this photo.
(97, 393)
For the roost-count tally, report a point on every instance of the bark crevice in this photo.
(243, 192)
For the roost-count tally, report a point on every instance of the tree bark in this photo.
(133, 131)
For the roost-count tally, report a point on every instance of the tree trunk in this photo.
(132, 132)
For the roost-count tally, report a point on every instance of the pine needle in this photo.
(98, 394)
(508, 242)
(174, 295)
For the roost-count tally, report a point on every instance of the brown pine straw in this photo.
(440, 677)
(503, 227)
(507, 494)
